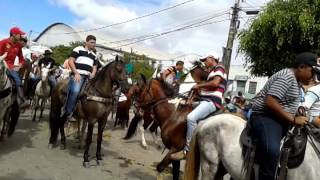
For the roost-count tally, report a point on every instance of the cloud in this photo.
(96, 13)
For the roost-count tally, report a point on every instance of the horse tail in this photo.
(14, 116)
(193, 160)
(133, 126)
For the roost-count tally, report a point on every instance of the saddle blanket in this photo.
(122, 97)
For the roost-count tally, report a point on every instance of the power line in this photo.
(184, 25)
(172, 31)
(129, 20)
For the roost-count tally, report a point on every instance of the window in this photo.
(252, 87)
(241, 86)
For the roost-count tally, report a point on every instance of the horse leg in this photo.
(156, 140)
(6, 120)
(101, 126)
(175, 170)
(165, 163)
(62, 133)
(43, 103)
(143, 140)
(83, 131)
(88, 142)
(35, 107)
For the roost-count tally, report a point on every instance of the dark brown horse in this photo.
(94, 105)
(122, 115)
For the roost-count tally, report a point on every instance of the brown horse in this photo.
(198, 73)
(122, 115)
(94, 105)
(152, 97)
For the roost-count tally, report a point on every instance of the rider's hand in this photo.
(195, 87)
(300, 120)
(91, 76)
(77, 77)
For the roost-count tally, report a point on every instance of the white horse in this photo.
(42, 92)
(216, 143)
(7, 100)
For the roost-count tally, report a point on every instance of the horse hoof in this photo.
(100, 162)
(50, 146)
(145, 147)
(86, 164)
(62, 146)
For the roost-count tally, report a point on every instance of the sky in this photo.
(36, 15)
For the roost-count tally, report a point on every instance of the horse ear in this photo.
(117, 58)
(144, 78)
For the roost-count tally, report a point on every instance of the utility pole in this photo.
(234, 25)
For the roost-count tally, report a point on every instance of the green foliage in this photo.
(61, 52)
(140, 63)
(284, 29)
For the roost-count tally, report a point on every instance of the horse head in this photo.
(198, 71)
(45, 70)
(118, 74)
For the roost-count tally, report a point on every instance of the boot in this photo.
(23, 103)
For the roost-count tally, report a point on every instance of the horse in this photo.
(216, 150)
(94, 105)
(196, 74)
(153, 97)
(42, 92)
(9, 112)
(122, 114)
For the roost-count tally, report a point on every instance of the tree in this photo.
(61, 52)
(284, 29)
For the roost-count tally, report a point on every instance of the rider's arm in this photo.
(21, 58)
(164, 74)
(273, 105)
(72, 65)
(212, 84)
(94, 71)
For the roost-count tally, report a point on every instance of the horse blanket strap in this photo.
(5, 92)
(99, 99)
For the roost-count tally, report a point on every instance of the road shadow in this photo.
(22, 137)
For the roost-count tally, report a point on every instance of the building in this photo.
(241, 80)
(63, 34)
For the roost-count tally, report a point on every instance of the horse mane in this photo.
(101, 72)
(169, 90)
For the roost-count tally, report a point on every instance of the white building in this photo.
(63, 34)
(241, 80)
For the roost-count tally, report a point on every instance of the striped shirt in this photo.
(284, 86)
(215, 95)
(85, 60)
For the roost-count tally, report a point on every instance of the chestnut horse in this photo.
(152, 97)
(196, 74)
(94, 105)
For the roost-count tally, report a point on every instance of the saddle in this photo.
(292, 151)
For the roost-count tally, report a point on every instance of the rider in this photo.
(171, 74)
(274, 110)
(48, 61)
(211, 94)
(83, 63)
(13, 48)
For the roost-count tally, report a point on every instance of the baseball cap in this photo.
(16, 30)
(307, 58)
(211, 54)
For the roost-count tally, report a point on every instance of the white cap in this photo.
(211, 54)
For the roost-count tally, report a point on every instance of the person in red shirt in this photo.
(13, 48)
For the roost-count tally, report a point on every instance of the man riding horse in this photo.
(211, 94)
(172, 74)
(83, 64)
(274, 110)
(13, 48)
(47, 61)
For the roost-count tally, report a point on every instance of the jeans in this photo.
(74, 88)
(14, 75)
(201, 111)
(268, 132)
